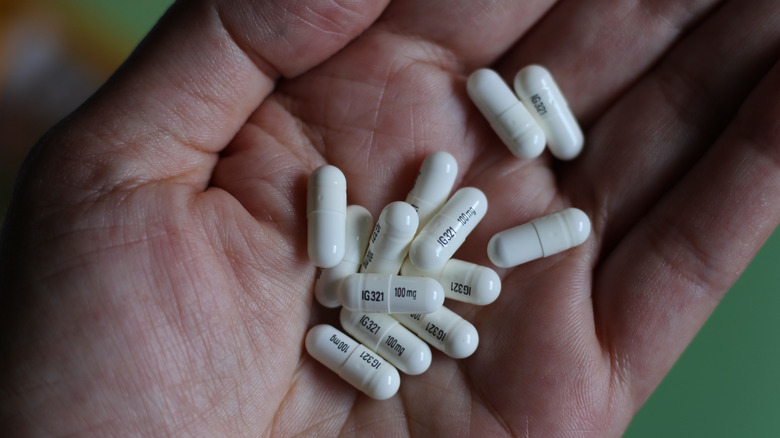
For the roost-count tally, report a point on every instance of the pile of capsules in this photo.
(391, 278)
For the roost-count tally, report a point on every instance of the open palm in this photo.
(155, 271)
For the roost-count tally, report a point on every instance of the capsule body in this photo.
(388, 293)
(326, 214)
(389, 242)
(353, 362)
(508, 117)
(462, 281)
(446, 232)
(537, 89)
(433, 185)
(445, 330)
(391, 340)
(359, 226)
(541, 237)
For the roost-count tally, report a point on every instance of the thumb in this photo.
(188, 89)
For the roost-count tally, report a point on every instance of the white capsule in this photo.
(537, 89)
(462, 281)
(508, 117)
(326, 213)
(433, 184)
(359, 226)
(385, 335)
(389, 243)
(445, 330)
(388, 293)
(446, 232)
(541, 237)
(353, 362)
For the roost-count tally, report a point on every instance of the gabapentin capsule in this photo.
(508, 117)
(445, 330)
(389, 242)
(446, 232)
(359, 226)
(353, 362)
(433, 185)
(462, 281)
(388, 293)
(391, 340)
(541, 237)
(326, 213)
(537, 89)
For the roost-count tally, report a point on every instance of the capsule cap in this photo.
(531, 75)
(514, 246)
(433, 185)
(578, 224)
(489, 92)
(318, 344)
(434, 299)
(401, 218)
(488, 284)
(328, 179)
(425, 255)
(419, 358)
(463, 341)
(384, 384)
(530, 144)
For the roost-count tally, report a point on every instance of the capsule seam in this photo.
(539, 239)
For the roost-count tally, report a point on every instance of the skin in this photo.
(154, 272)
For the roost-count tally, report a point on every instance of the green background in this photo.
(726, 382)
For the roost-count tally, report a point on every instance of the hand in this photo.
(155, 277)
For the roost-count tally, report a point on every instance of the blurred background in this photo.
(55, 53)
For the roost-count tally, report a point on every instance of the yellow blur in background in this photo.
(55, 53)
